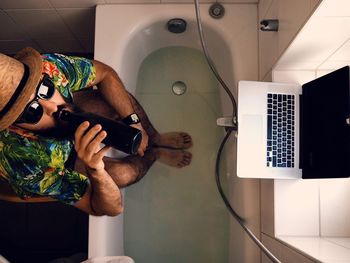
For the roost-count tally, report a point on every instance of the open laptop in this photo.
(288, 131)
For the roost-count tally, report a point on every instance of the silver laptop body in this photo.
(268, 130)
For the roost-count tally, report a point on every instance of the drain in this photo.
(179, 88)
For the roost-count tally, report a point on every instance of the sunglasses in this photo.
(33, 112)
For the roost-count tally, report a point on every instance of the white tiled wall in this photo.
(312, 215)
(339, 58)
(320, 249)
(302, 55)
(334, 208)
(321, 46)
(292, 14)
(327, 33)
(292, 218)
(282, 252)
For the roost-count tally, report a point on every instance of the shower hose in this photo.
(228, 133)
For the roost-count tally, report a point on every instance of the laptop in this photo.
(288, 131)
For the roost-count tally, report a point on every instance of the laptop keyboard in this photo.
(280, 130)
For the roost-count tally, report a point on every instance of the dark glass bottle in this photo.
(120, 136)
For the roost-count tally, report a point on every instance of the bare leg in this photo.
(126, 171)
(174, 157)
(132, 168)
(174, 140)
(85, 99)
(153, 134)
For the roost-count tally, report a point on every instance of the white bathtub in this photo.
(126, 34)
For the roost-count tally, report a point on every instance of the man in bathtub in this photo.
(39, 161)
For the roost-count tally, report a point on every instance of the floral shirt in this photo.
(35, 165)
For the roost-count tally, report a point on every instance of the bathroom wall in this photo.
(292, 15)
(282, 251)
(313, 54)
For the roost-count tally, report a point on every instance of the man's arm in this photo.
(114, 92)
(103, 196)
(112, 89)
(87, 203)
(7, 194)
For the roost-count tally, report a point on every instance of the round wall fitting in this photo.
(216, 10)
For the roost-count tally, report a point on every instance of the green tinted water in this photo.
(175, 215)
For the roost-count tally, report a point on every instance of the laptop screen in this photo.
(324, 132)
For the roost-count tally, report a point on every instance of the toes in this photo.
(175, 140)
(186, 139)
(186, 159)
(175, 158)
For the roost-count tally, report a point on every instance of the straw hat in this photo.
(17, 84)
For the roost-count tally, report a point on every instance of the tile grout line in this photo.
(68, 27)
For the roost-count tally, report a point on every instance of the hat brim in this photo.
(33, 60)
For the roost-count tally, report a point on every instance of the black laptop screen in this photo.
(324, 132)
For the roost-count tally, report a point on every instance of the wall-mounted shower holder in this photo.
(225, 122)
(269, 25)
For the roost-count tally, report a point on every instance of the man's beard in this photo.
(62, 130)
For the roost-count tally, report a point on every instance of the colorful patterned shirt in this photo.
(34, 165)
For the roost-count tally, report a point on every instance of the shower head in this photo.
(176, 25)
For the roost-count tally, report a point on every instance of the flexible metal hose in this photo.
(229, 132)
(212, 66)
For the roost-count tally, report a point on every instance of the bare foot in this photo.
(175, 158)
(175, 140)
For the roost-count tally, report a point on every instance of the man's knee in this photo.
(124, 174)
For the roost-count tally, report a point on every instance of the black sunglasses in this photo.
(33, 112)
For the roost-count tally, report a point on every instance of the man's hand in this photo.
(144, 142)
(103, 196)
(87, 145)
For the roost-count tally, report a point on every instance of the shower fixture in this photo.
(216, 10)
(226, 122)
(269, 25)
(176, 25)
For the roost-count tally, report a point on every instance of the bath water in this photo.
(176, 215)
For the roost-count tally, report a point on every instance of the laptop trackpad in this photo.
(251, 136)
